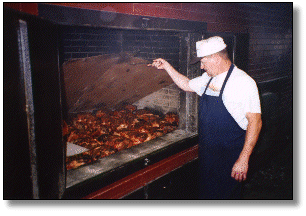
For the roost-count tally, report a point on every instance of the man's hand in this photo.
(179, 79)
(240, 170)
(160, 64)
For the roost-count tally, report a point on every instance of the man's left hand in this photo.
(240, 170)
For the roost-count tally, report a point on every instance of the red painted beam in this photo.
(30, 8)
(111, 7)
(139, 179)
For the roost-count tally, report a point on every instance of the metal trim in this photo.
(25, 67)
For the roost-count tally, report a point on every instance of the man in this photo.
(229, 118)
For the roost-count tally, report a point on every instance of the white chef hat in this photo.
(207, 47)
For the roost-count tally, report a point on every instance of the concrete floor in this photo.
(274, 179)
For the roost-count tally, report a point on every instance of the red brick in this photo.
(196, 7)
(231, 20)
(224, 27)
(30, 8)
(93, 6)
(145, 10)
(152, 10)
(171, 11)
(203, 17)
(177, 6)
(16, 6)
(180, 14)
(123, 7)
(113, 7)
(226, 9)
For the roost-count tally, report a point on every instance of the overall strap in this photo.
(207, 85)
(226, 78)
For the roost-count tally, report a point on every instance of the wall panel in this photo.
(269, 26)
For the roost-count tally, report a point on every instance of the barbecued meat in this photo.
(107, 132)
(89, 156)
(171, 118)
(130, 108)
(65, 128)
(101, 151)
(88, 142)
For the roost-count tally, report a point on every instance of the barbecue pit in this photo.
(117, 107)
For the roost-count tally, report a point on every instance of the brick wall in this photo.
(269, 26)
(81, 42)
(86, 42)
(165, 100)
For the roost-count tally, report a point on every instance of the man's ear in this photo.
(217, 58)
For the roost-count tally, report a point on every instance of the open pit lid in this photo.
(108, 81)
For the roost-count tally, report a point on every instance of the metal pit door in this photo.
(33, 144)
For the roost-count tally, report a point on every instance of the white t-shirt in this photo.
(240, 94)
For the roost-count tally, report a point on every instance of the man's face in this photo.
(209, 64)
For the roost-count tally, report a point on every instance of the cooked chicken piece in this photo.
(100, 152)
(74, 164)
(74, 135)
(103, 113)
(89, 143)
(107, 132)
(138, 138)
(66, 128)
(171, 118)
(130, 108)
(118, 142)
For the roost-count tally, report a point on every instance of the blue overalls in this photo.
(221, 140)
